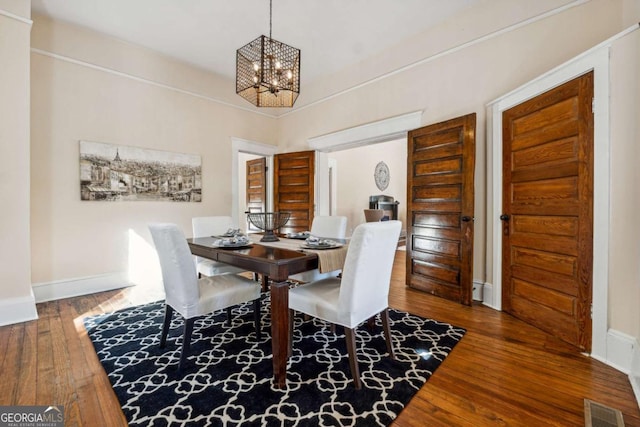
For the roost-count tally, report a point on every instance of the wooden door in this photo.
(547, 252)
(256, 192)
(440, 168)
(294, 175)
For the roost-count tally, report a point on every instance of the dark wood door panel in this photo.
(440, 168)
(256, 188)
(294, 175)
(548, 197)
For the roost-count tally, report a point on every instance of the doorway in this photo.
(239, 147)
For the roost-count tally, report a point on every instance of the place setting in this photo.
(232, 239)
(301, 235)
(313, 242)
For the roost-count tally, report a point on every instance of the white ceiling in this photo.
(331, 34)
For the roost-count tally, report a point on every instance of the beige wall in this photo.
(355, 181)
(72, 102)
(15, 267)
(462, 82)
(624, 239)
(20, 8)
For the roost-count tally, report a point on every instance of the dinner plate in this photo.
(337, 245)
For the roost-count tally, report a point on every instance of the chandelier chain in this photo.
(270, 17)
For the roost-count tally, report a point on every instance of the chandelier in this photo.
(268, 71)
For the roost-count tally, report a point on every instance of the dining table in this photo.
(274, 262)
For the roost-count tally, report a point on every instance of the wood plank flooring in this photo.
(503, 372)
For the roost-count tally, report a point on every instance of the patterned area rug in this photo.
(228, 378)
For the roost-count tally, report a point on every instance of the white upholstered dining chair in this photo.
(362, 292)
(192, 297)
(328, 226)
(204, 226)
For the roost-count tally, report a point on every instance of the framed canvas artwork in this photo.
(111, 172)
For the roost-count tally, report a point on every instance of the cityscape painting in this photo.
(121, 173)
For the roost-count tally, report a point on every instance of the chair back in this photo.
(366, 276)
(204, 226)
(334, 227)
(178, 268)
(373, 215)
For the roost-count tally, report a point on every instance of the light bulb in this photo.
(275, 82)
(256, 66)
(289, 74)
(278, 65)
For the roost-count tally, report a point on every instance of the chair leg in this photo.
(384, 315)
(350, 335)
(168, 313)
(256, 318)
(371, 323)
(228, 316)
(186, 341)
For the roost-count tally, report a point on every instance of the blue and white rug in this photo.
(228, 378)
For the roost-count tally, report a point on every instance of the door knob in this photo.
(466, 218)
(504, 217)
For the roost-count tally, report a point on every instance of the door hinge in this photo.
(591, 311)
(593, 105)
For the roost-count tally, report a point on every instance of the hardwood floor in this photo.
(503, 372)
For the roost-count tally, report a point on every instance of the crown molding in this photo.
(142, 80)
(16, 17)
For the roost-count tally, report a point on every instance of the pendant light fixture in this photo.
(268, 71)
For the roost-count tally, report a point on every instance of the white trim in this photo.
(59, 289)
(16, 17)
(16, 310)
(634, 375)
(380, 131)
(597, 60)
(488, 297)
(333, 186)
(144, 80)
(322, 192)
(251, 147)
(371, 133)
(620, 349)
(478, 290)
(445, 52)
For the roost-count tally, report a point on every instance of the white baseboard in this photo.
(487, 295)
(16, 310)
(478, 291)
(620, 350)
(60, 289)
(634, 376)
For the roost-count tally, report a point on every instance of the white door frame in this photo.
(371, 133)
(596, 59)
(239, 145)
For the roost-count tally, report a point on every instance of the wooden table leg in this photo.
(280, 331)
